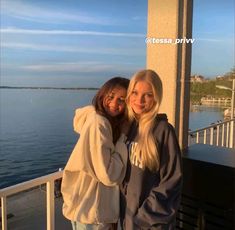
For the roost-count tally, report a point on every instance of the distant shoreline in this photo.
(56, 88)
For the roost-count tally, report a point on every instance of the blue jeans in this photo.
(79, 226)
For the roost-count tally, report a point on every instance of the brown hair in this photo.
(116, 82)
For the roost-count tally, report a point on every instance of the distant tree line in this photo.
(208, 88)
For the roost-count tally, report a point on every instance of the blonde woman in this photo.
(150, 192)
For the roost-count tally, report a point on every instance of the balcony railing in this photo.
(49, 180)
(216, 101)
(220, 134)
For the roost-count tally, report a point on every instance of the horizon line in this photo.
(47, 87)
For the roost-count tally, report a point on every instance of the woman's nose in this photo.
(114, 102)
(140, 99)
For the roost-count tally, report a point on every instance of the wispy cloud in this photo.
(80, 67)
(209, 39)
(68, 32)
(26, 11)
(138, 18)
(73, 49)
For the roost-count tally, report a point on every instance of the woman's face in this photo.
(141, 98)
(114, 103)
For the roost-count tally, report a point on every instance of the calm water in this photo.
(203, 116)
(36, 133)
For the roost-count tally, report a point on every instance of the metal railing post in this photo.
(232, 116)
(227, 134)
(217, 135)
(50, 206)
(197, 140)
(4, 212)
(205, 136)
(211, 135)
(223, 134)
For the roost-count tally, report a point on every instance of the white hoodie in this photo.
(94, 170)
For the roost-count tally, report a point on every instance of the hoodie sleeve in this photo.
(160, 207)
(109, 160)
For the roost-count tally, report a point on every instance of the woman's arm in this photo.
(109, 160)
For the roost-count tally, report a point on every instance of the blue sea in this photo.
(36, 132)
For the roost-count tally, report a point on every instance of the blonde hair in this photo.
(147, 152)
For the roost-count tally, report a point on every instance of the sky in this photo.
(71, 43)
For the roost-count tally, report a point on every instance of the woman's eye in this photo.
(134, 93)
(149, 95)
(121, 100)
(110, 97)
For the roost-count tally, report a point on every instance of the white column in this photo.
(172, 19)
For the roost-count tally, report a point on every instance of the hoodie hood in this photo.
(81, 116)
(161, 117)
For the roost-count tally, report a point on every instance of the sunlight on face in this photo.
(114, 102)
(142, 98)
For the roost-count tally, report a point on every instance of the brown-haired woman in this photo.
(97, 165)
